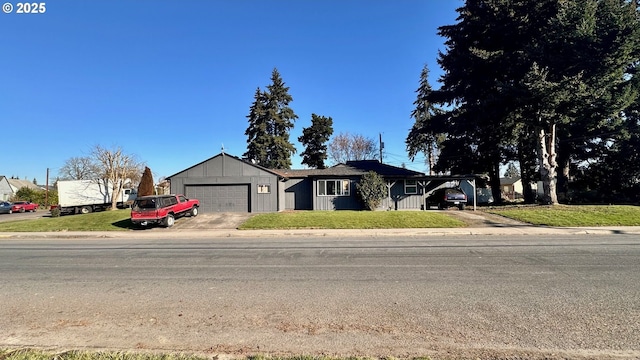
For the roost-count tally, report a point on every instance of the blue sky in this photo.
(172, 81)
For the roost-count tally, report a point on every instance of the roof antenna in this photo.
(222, 149)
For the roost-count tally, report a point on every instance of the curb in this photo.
(337, 233)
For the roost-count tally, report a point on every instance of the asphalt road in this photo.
(565, 297)
(24, 216)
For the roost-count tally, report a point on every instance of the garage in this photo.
(221, 198)
(225, 183)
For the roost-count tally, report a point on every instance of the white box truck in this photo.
(85, 196)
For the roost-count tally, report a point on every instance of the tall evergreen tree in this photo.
(531, 72)
(314, 139)
(259, 130)
(270, 120)
(424, 137)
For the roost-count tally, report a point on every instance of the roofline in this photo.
(225, 154)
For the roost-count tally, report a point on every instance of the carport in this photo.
(430, 183)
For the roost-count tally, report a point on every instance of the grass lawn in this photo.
(573, 215)
(100, 221)
(350, 220)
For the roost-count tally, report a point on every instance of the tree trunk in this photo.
(527, 178)
(494, 179)
(548, 165)
(564, 162)
(431, 158)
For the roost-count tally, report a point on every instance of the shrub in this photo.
(371, 190)
(55, 212)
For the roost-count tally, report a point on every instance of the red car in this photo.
(22, 206)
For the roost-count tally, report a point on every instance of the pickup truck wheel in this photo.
(194, 211)
(21, 210)
(169, 221)
(85, 210)
(461, 206)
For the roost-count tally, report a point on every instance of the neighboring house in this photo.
(228, 183)
(6, 191)
(9, 187)
(511, 188)
(163, 188)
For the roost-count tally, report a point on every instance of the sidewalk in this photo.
(162, 233)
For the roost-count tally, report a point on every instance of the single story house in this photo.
(9, 187)
(228, 183)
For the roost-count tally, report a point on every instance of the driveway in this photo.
(222, 220)
(231, 220)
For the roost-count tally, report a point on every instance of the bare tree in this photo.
(78, 168)
(346, 146)
(115, 167)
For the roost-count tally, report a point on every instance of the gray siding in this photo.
(227, 170)
(351, 202)
(298, 194)
(401, 201)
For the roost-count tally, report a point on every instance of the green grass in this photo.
(350, 220)
(560, 215)
(116, 220)
(573, 215)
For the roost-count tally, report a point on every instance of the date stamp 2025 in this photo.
(25, 8)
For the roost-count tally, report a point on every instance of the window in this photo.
(334, 187)
(410, 186)
(264, 189)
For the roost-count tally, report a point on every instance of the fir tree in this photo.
(270, 120)
(314, 138)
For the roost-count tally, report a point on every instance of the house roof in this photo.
(18, 184)
(227, 155)
(509, 180)
(351, 168)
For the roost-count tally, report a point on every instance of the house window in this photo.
(334, 187)
(264, 189)
(410, 186)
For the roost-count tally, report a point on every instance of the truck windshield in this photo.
(145, 204)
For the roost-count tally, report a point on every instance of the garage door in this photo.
(220, 198)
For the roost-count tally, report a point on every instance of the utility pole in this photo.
(46, 192)
(381, 147)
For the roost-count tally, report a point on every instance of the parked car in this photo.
(22, 206)
(162, 209)
(6, 207)
(446, 197)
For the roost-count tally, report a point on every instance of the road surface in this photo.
(568, 297)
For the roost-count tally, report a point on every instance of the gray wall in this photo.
(298, 194)
(224, 169)
(351, 202)
(401, 201)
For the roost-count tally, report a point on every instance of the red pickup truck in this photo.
(162, 209)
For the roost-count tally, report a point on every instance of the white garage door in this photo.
(220, 198)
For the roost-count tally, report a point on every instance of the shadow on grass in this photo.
(125, 224)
